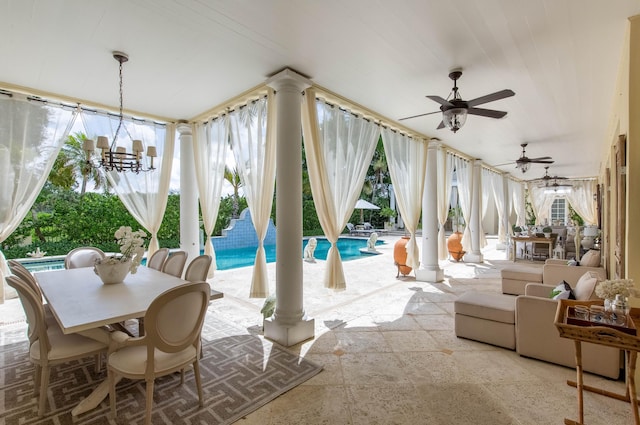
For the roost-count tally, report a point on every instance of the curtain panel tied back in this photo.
(407, 159)
(339, 147)
(252, 132)
(31, 136)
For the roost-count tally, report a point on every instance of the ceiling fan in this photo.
(454, 109)
(547, 178)
(556, 187)
(524, 162)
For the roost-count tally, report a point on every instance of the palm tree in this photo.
(233, 177)
(76, 161)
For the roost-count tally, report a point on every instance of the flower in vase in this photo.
(608, 289)
(131, 247)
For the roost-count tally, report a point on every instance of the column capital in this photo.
(184, 128)
(287, 79)
(434, 144)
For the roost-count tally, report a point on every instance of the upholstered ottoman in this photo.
(486, 317)
(515, 278)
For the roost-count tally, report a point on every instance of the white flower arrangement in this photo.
(131, 247)
(608, 289)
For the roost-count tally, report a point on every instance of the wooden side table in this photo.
(622, 337)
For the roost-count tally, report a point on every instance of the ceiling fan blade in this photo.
(540, 158)
(441, 100)
(420, 115)
(536, 161)
(486, 112)
(441, 125)
(491, 97)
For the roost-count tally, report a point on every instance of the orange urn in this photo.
(454, 246)
(400, 256)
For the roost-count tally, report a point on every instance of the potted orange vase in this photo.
(400, 256)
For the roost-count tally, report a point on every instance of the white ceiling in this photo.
(561, 58)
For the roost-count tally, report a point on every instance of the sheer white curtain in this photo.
(517, 194)
(464, 180)
(31, 135)
(339, 147)
(485, 191)
(407, 160)
(445, 171)
(144, 194)
(210, 153)
(540, 202)
(497, 187)
(582, 200)
(252, 128)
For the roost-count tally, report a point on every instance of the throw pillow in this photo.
(585, 288)
(563, 292)
(591, 258)
(572, 262)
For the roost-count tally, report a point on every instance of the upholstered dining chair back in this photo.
(174, 265)
(171, 345)
(84, 256)
(47, 344)
(23, 273)
(157, 259)
(198, 269)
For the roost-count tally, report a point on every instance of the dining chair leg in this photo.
(149, 390)
(196, 373)
(36, 379)
(44, 383)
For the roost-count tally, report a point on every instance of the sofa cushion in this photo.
(590, 259)
(585, 288)
(563, 292)
(486, 305)
(527, 274)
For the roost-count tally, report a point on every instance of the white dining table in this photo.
(80, 301)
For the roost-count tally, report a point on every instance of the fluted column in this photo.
(289, 325)
(189, 238)
(475, 256)
(430, 270)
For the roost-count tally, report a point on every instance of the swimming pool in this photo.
(233, 258)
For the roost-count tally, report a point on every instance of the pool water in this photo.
(243, 257)
(239, 257)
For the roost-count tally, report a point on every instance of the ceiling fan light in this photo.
(454, 118)
(524, 166)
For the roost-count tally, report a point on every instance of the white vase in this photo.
(112, 272)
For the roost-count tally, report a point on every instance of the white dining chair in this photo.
(85, 256)
(25, 275)
(158, 258)
(174, 265)
(198, 269)
(168, 345)
(48, 345)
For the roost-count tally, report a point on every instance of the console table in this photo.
(533, 240)
(622, 337)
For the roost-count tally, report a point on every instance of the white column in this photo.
(289, 325)
(430, 270)
(504, 223)
(475, 256)
(189, 238)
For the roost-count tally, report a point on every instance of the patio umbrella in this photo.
(365, 205)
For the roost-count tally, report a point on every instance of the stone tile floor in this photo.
(390, 354)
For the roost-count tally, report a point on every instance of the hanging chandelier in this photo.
(113, 157)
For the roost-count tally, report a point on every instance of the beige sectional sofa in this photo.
(536, 336)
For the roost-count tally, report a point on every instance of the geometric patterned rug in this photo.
(240, 373)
